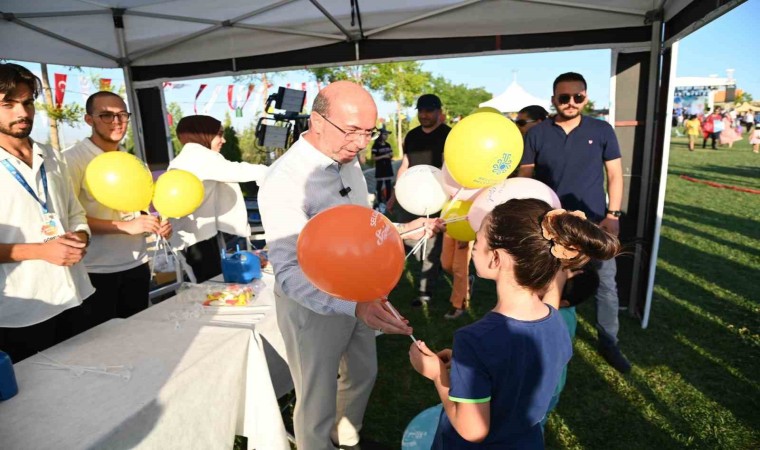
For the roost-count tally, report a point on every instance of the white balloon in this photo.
(420, 190)
(511, 188)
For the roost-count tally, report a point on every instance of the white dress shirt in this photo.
(107, 253)
(299, 185)
(223, 208)
(33, 291)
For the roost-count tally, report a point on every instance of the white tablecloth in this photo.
(261, 317)
(192, 387)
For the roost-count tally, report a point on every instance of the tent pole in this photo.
(647, 168)
(663, 186)
(134, 106)
(165, 114)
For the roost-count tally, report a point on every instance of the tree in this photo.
(70, 114)
(458, 99)
(357, 74)
(400, 83)
(231, 148)
(589, 108)
(175, 111)
(742, 97)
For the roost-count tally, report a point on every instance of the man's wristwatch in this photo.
(615, 213)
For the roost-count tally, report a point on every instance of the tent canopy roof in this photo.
(515, 98)
(238, 35)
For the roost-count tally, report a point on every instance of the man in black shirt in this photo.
(424, 145)
(382, 153)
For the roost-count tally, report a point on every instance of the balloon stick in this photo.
(396, 314)
(453, 200)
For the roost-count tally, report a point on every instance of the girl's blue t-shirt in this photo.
(515, 365)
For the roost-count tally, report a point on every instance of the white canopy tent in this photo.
(515, 98)
(162, 40)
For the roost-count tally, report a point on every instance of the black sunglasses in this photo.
(564, 99)
(523, 122)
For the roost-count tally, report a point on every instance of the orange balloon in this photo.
(351, 252)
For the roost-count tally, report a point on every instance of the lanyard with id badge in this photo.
(51, 224)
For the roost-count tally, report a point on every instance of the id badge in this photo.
(51, 227)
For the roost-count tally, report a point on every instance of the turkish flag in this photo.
(60, 89)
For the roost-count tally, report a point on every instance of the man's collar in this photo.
(37, 149)
(317, 157)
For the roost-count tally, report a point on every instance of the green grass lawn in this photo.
(696, 376)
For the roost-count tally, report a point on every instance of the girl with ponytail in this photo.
(498, 380)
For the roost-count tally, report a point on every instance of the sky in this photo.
(726, 43)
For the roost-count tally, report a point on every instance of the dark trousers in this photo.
(713, 137)
(21, 343)
(379, 197)
(117, 295)
(205, 259)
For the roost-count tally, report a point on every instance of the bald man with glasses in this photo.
(330, 342)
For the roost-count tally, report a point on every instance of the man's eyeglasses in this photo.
(564, 99)
(370, 135)
(108, 117)
(523, 122)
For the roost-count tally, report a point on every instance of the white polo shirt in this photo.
(35, 290)
(108, 253)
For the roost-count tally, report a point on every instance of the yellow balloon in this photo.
(460, 230)
(177, 194)
(487, 109)
(482, 150)
(120, 181)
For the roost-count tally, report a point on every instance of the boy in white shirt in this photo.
(43, 229)
(117, 261)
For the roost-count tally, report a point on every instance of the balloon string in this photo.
(416, 247)
(453, 200)
(424, 242)
(396, 314)
(447, 221)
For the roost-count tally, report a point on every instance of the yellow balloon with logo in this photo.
(120, 181)
(482, 150)
(177, 194)
(461, 229)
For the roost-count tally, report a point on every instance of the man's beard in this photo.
(17, 134)
(107, 137)
(569, 116)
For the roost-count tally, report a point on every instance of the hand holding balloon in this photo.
(377, 315)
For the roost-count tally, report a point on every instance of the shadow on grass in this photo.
(725, 273)
(752, 251)
(728, 222)
(596, 413)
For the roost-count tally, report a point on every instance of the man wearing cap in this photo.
(424, 145)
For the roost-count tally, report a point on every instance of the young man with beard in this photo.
(571, 153)
(117, 261)
(43, 229)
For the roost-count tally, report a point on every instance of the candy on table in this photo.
(229, 295)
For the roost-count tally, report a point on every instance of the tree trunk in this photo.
(49, 101)
(399, 140)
